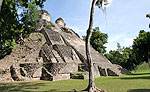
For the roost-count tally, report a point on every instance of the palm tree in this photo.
(91, 87)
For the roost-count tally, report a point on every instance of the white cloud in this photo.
(122, 39)
(128, 41)
(112, 42)
(115, 38)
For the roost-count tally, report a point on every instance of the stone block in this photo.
(61, 68)
(48, 76)
(61, 77)
(26, 71)
(79, 75)
(52, 37)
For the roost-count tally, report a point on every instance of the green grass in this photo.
(137, 82)
(142, 68)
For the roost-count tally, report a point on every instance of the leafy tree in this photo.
(15, 26)
(141, 47)
(91, 87)
(129, 59)
(98, 40)
(119, 48)
(124, 57)
(115, 57)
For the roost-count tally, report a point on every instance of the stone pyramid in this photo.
(64, 51)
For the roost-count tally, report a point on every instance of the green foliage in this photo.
(123, 57)
(98, 40)
(130, 58)
(141, 47)
(14, 25)
(144, 67)
(119, 48)
(84, 37)
(148, 15)
(115, 57)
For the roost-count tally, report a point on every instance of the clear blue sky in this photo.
(124, 18)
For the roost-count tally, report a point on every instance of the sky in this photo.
(122, 21)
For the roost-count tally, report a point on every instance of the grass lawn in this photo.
(139, 81)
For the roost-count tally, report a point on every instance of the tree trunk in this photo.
(148, 55)
(149, 62)
(91, 87)
(1, 2)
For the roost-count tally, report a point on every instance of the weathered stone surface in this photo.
(44, 15)
(69, 68)
(31, 69)
(61, 77)
(60, 22)
(67, 53)
(52, 37)
(55, 72)
(15, 73)
(79, 46)
(26, 71)
(47, 54)
(47, 76)
(61, 68)
(83, 67)
(79, 75)
(59, 54)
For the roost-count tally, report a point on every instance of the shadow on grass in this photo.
(139, 90)
(140, 77)
(19, 87)
(24, 87)
(141, 74)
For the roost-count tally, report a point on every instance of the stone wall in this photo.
(58, 71)
(79, 75)
(26, 71)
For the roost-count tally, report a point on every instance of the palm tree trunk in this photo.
(90, 63)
